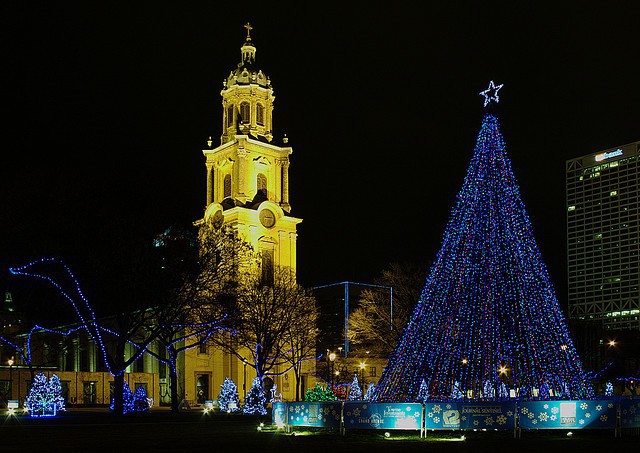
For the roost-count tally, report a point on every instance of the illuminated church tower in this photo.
(248, 174)
(247, 190)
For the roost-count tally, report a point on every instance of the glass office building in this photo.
(603, 237)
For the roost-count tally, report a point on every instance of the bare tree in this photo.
(301, 336)
(195, 307)
(265, 318)
(150, 297)
(376, 325)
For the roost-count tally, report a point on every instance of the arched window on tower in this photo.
(260, 114)
(230, 116)
(268, 265)
(227, 186)
(262, 184)
(245, 112)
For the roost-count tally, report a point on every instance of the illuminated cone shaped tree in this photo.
(256, 401)
(488, 320)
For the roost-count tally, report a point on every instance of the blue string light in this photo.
(89, 321)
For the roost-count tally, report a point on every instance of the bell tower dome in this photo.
(248, 173)
(247, 98)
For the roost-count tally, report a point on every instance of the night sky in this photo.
(107, 107)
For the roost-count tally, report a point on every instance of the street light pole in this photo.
(332, 358)
(10, 362)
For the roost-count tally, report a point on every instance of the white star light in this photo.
(491, 93)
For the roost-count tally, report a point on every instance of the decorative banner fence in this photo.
(382, 415)
(319, 415)
(501, 415)
(630, 413)
(470, 415)
(568, 414)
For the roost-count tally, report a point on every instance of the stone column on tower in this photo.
(285, 184)
(242, 170)
(209, 183)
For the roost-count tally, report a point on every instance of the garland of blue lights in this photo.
(89, 322)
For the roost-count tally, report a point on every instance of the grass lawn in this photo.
(84, 430)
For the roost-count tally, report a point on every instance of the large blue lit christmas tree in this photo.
(488, 324)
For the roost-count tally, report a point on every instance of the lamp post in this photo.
(362, 365)
(332, 358)
(10, 362)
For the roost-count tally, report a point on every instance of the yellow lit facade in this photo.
(247, 189)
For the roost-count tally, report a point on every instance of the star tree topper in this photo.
(491, 93)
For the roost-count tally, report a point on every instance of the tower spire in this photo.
(248, 50)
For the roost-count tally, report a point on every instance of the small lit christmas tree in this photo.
(503, 391)
(608, 391)
(55, 388)
(487, 390)
(370, 391)
(40, 401)
(456, 392)
(355, 392)
(228, 398)
(319, 393)
(140, 402)
(255, 402)
(423, 392)
(127, 399)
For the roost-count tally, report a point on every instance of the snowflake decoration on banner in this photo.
(356, 412)
(610, 405)
(543, 416)
(546, 406)
(603, 418)
(581, 421)
(488, 421)
(554, 410)
(587, 415)
(524, 410)
(436, 419)
(535, 422)
(584, 406)
(530, 415)
(598, 408)
(501, 419)
(475, 423)
(430, 415)
(509, 413)
(553, 418)
(448, 406)
(437, 409)
(491, 93)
